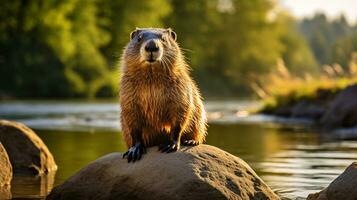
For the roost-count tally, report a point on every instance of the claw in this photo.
(130, 156)
(165, 148)
(134, 153)
(190, 143)
(125, 154)
(172, 148)
(168, 148)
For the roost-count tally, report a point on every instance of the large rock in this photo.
(342, 111)
(307, 109)
(5, 174)
(27, 152)
(202, 172)
(343, 187)
(6, 168)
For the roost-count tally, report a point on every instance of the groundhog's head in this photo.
(151, 47)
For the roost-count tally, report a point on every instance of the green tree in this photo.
(65, 48)
(50, 48)
(343, 49)
(322, 33)
(200, 39)
(29, 67)
(296, 53)
(228, 41)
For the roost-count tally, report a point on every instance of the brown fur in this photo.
(156, 98)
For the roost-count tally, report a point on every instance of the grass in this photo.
(280, 87)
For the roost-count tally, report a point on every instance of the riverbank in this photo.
(328, 99)
(328, 108)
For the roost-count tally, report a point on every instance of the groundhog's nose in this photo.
(151, 46)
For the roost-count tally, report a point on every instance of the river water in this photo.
(289, 155)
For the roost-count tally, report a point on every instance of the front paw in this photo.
(135, 152)
(168, 148)
(190, 143)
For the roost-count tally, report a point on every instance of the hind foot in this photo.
(190, 143)
(135, 152)
(168, 148)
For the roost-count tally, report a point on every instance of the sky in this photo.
(332, 8)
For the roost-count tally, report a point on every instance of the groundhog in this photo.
(160, 103)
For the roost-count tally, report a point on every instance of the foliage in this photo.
(281, 87)
(231, 42)
(60, 48)
(326, 38)
(71, 48)
(296, 54)
(344, 48)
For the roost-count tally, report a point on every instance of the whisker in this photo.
(187, 50)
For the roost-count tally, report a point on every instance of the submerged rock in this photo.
(342, 111)
(5, 174)
(27, 152)
(201, 172)
(343, 187)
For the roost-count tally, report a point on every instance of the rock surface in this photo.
(27, 152)
(342, 111)
(5, 174)
(343, 187)
(6, 168)
(307, 109)
(201, 172)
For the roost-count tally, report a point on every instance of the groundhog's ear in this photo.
(172, 33)
(134, 33)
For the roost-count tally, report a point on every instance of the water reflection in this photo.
(303, 169)
(92, 116)
(292, 159)
(5, 192)
(73, 150)
(292, 163)
(35, 187)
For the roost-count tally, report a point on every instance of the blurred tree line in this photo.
(71, 48)
(332, 41)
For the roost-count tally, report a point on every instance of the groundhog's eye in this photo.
(140, 37)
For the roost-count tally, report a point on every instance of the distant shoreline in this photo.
(326, 108)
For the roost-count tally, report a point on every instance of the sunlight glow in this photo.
(332, 8)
